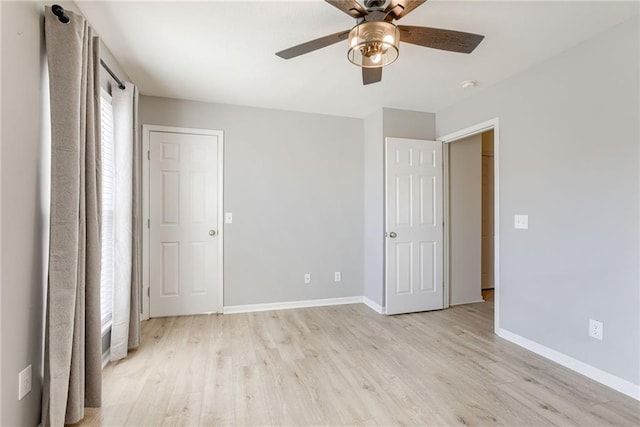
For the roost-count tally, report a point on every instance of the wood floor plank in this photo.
(218, 405)
(346, 365)
(183, 409)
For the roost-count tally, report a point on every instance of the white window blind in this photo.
(108, 197)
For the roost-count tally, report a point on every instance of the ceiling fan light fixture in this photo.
(373, 44)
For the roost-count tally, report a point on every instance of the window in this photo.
(108, 189)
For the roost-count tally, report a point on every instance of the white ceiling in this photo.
(223, 52)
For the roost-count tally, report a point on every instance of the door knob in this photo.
(212, 232)
(393, 235)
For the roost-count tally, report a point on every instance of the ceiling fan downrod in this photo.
(374, 4)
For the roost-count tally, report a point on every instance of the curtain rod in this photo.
(62, 17)
(112, 74)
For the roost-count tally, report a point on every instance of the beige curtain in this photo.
(72, 371)
(125, 332)
(136, 270)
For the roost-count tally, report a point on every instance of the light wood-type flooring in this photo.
(346, 365)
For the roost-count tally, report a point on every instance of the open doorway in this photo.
(471, 217)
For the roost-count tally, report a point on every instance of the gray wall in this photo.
(24, 208)
(386, 123)
(569, 158)
(293, 182)
(465, 223)
(373, 208)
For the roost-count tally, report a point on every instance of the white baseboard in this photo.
(290, 304)
(373, 305)
(616, 383)
(467, 302)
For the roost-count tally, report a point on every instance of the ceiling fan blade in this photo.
(399, 8)
(312, 45)
(350, 7)
(436, 38)
(371, 75)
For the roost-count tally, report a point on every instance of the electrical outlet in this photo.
(595, 329)
(307, 278)
(24, 382)
(337, 276)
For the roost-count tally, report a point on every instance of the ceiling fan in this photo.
(375, 39)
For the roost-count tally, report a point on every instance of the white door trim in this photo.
(455, 136)
(446, 243)
(146, 133)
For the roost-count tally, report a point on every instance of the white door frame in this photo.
(446, 139)
(146, 134)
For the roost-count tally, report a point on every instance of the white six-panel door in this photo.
(183, 218)
(414, 225)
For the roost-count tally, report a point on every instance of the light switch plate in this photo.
(228, 218)
(521, 222)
